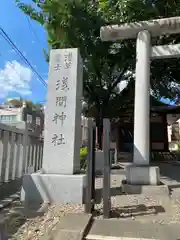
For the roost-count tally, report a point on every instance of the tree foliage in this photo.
(29, 104)
(16, 102)
(76, 23)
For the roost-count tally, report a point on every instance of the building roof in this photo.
(124, 102)
(155, 103)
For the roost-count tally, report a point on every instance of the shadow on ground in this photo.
(115, 191)
(17, 214)
(132, 211)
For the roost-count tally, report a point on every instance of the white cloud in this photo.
(15, 77)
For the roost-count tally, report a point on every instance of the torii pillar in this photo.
(140, 172)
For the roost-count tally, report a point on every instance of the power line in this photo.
(33, 31)
(10, 42)
(7, 38)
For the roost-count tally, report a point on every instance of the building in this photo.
(84, 128)
(18, 116)
(122, 123)
(12, 115)
(173, 120)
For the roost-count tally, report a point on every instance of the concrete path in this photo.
(150, 207)
(131, 230)
(170, 175)
(139, 216)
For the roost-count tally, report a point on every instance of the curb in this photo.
(100, 237)
(73, 226)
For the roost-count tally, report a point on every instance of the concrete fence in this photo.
(21, 152)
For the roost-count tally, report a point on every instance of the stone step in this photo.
(117, 238)
(116, 229)
(71, 227)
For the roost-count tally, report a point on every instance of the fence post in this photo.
(93, 192)
(2, 162)
(90, 174)
(12, 162)
(107, 169)
(40, 153)
(36, 155)
(6, 154)
(25, 143)
(18, 156)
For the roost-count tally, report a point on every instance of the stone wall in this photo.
(20, 152)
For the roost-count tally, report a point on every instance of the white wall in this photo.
(172, 118)
(84, 128)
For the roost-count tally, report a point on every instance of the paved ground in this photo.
(32, 223)
(132, 230)
(140, 216)
(146, 209)
(170, 175)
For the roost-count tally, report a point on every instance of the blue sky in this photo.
(16, 78)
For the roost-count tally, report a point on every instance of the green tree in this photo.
(77, 23)
(16, 102)
(164, 73)
(29, 104)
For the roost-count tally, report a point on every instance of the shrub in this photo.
(83, 157)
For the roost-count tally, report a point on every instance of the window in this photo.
(8, 118)
(13, 118)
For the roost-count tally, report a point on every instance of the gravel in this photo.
(156, 208)
(32, 225)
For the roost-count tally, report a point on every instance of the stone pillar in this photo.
(142, 99)
(140, 173)
(62, 139)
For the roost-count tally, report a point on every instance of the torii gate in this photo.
(141, 172)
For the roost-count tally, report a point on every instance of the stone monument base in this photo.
(53, 188)
(143, 175)
(143, 179)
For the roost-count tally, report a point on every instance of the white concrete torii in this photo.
(144, 52)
